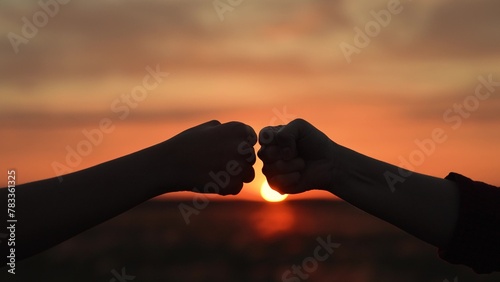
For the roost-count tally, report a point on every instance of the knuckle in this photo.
(252, 159)
(266, 170)
(263, 154)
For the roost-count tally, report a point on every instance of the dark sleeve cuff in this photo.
(476, 240)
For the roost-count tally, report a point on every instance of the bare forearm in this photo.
(424, 206)
(52, 211)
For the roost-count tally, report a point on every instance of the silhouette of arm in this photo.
(50, 211)
(298, 157)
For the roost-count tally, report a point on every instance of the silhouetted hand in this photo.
(297, 157)
(208, 158)
(212, 157)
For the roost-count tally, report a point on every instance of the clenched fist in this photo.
(297, 157)
(210, 158)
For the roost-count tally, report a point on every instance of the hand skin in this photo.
(298, 157)
(50, 211)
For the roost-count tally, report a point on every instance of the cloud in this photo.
(434, 107)
(47, 119)
(88, 41)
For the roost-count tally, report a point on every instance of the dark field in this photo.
(243, 241)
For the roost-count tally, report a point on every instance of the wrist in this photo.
(343, 169)
(356, 172)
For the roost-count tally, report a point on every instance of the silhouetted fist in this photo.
(213, 157)
(297, 157)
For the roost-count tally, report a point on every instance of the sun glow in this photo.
(269, 194)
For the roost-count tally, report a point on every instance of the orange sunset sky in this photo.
(265, 63)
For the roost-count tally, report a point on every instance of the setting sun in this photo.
(269, 194)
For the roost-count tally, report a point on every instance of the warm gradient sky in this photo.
(266, 56)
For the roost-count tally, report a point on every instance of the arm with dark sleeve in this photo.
(476, 240)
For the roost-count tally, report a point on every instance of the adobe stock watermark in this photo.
(303, 271)
(363, 37)
(223, 6)
(121, 276)
(283, 116)
(220, 180)
(121, 107)
(453, 117)
(39, 19)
